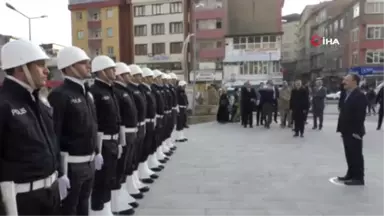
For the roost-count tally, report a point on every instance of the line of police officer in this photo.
(101, 144)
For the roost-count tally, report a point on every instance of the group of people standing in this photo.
(268, 100)
(100, 144)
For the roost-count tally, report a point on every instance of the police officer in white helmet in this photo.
(73, 106)
(109, 121)
(135, 186)
(170, 115)
(121, 199)
(182, 104)
(30, 155)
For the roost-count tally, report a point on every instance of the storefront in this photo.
(372, 75)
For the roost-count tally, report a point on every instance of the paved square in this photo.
(229, 170)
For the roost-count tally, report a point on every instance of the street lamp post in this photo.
(29, 18)
(195, 62)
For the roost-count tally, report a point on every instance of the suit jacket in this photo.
(246, 98)
(299, 99)
(352, 114)
(318, 99)
(379, 97)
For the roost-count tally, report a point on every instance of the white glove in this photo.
(99, 161)
(64, 185)
(120, 151)
(177, 109)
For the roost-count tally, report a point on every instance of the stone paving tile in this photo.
(229, 170)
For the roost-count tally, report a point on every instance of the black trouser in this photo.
(233, 112)
(158, 135)
(148, 141)
(166, 120)
(105, 179)
(140, 146)
(39, 202)
(180, 119)
(353, 149)
(121, 169)
(259, 115)
(299, 117)
(275, 111)
(380, 120)
(247, 117)
(81, 176)
(371, 107)
(132, 152)
(267, 113)
(318, 114)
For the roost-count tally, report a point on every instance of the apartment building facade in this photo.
(159, 34)
(209, 17)
(253, 42)
(358, 26)
(289, 45)
(103, 27)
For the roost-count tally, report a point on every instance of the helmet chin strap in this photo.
(29, 77)
(76, 73)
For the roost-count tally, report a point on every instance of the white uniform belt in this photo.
(159, 116)
(36, 185)
(130, 130)
(141, 123)
(149, 120)
(110, 136)
(80, 159)
(174, 108)
(182, 106)
(168, 111)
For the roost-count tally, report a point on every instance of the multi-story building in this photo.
(253, 41)
(103, 27)
(159, 34)
(210, 29)
(289, 45)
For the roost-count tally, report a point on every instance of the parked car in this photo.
(333, 96)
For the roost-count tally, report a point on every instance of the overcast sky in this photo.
(57, 27)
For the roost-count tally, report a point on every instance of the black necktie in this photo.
(38, 110)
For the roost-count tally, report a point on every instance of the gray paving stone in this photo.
(229, 170)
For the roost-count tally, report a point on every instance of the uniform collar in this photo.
(133, 83)
(21, 83)
(76, 81)
(146, 85)
(100, 80)
(121, 83)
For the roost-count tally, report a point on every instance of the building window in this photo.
(111, 51)
(158, 48)
(95, 17)
(374, 57)
(158, 29)
(209, 24)
(139, 11)
(354, 59)
(141, 49)
(176, 7)
(175, 47)
(219, 44)
(109, 13)
(342, 23)
(97, 51)
(375, 32)
(156, 9)
(374, 7)
(218, 24)
(140, 30)
(80, 35)
(218, 65)
(176, 28)
(355, 35)
(109, 32)
(79, 15)
(356, 10)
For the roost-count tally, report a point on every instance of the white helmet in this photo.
(157, 73)
(20, 52)
(164, 76)
(182, 83)
(69, 56)
(122, 68)
(135, 69)
(147, 72)
(173, 76)
(169, 76)
(102, 62)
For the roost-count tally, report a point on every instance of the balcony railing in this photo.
(75, 2)
(95, 35)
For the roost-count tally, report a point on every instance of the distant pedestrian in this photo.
(299, 104)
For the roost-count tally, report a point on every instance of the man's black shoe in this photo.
(314, 127)
(354, 182)
(301, 135)
(295, 135)
(321, 127)
(344, 178)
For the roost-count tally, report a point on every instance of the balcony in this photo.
(210, 13)
(210, 33)
(76, 2)
(212, 53)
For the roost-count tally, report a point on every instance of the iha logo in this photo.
(316, 41)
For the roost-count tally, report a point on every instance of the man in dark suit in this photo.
(342, 96)
(248, 102)
(351, 126)
(380, 101)
(299, 104)
(318, 103)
